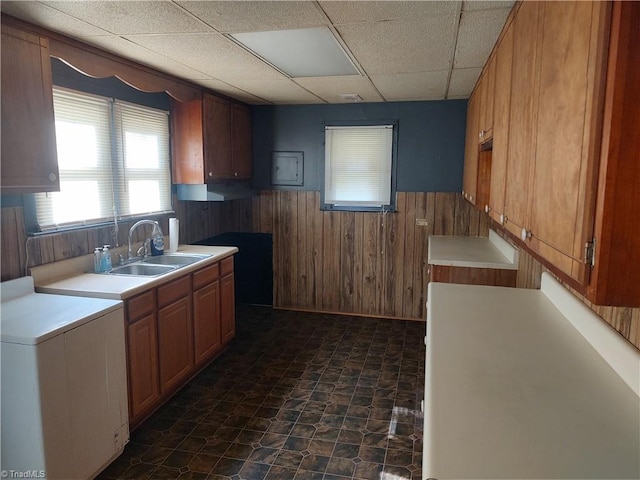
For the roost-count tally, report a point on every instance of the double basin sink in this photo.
(159, 265)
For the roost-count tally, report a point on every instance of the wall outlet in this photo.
(422, 222)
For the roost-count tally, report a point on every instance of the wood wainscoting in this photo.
(357, 263)
(625, 320)
(198, 220)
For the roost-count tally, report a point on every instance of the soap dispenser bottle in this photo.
(97, 260)
(106, 259)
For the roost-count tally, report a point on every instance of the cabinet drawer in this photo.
(226, 266)
(174, 290)
(141, 305)
(206, 276)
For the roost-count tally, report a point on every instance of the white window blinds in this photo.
(113, 159)
(358, 163)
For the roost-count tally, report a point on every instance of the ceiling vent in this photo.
(351, 97)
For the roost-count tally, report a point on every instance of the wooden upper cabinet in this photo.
(29, 157)
(615, 279)
(564, 169)
(502, 99)
(487, 94)
(522, 112)
(211, 140)
(469, 179)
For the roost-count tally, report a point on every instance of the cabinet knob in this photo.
(487, 209)
(525, 234)
(503, 218)
(53, 177)
(211, 174)
(235, 174)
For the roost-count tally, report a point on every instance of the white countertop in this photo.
(32, 318)
(474, 252)
(514, 390)
(121, 287)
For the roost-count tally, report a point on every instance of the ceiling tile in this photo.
(366, 11)
(231, 91)
(462, 82)
(402, 46)
(486, 5)
(330, 88)
(477, 35)
(45, 16)
(127, 49)
(246, 16)
(210, 53)
(412, 86)
(283, 91)
(132, 17)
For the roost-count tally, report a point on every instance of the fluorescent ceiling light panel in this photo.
(306, 52)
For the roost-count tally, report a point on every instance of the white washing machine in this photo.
(63, 384)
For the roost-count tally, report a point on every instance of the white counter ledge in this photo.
(68, 277)
(475, 252)
(514, 389)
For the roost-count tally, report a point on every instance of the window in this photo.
(358, 167)
(113, 158)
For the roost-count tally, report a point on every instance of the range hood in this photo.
(215, 192)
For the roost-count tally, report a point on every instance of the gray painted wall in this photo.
(430, 140)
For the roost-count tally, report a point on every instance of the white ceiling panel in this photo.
(403, 49)
(412, 86)
(248, 16)
(132, 17)
(43, 15)
(477, 36)
(366, 11)
(330, 88)
(277, 91)
(211, 53)
(402, 46)
(462, 82)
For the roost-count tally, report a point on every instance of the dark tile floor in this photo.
(296, 396)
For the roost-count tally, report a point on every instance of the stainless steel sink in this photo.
(178, 259)
(142, 269)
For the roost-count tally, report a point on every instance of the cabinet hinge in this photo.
(589, 253)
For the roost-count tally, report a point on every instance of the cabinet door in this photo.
(485, 130)
(522, 115)
(217, 138)
(142, 353)
(471, 150)
(227, 308)
(502, 98)
(206, 322)
(186, 142)
(563, 171)
(29, 157)
(175, 343)
(241, 152)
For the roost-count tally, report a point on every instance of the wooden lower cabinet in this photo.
(227, 305)
(173, 331)
(142, 351)
(175, 343)
(473, 276)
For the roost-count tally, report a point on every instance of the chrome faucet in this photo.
(156, 228)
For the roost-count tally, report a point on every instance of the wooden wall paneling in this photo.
(330, 260)
(425, 208)
(394, 274)
(266, 211)
(463, 217)
(302, 246)
(347, 262)
(358, 248)
(444, 213)
(316, 218)
(408, 279)
(371, 273)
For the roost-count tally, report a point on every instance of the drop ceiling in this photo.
(404, 50)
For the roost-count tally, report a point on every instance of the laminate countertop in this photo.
(527, 384)
(69, 277)
(475, 252)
